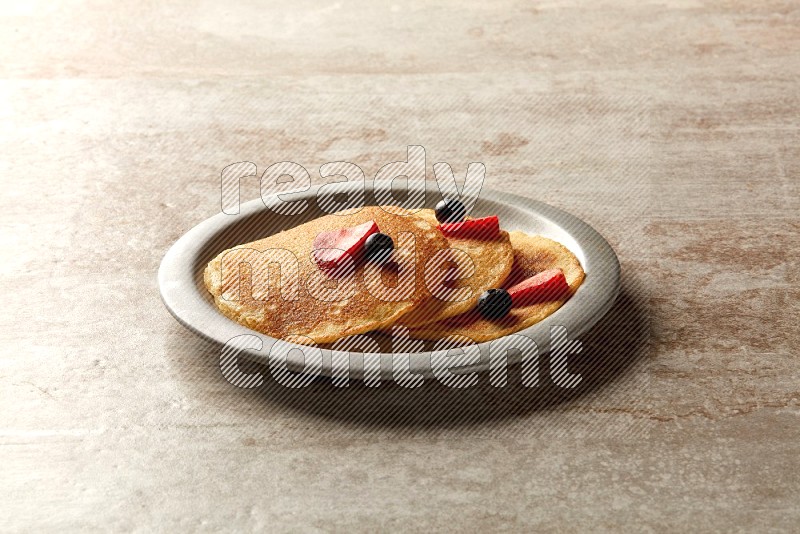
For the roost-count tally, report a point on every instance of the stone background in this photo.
(670, 126)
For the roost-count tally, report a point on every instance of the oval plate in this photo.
(180, 276)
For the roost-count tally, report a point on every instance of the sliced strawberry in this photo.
(486, 228)
(330, 248)
(547, 285)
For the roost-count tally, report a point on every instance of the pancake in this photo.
(297, 302)
(532, 255)
(491, 259)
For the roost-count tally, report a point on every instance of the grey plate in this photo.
(180, 276)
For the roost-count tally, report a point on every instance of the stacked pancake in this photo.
(429, 282)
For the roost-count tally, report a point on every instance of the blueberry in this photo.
(378, 247)
(450, 211)
(494, 303)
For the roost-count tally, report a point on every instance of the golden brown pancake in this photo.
(491, 259)
(300, 303)
(532, 255)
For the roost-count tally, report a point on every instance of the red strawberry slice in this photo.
(486, 228)
(331, 247)
(545, 286)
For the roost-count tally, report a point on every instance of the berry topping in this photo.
(486, 228)
(494, 303)
(330, 248)
(378, 247)
(450, 211)
(545, 286)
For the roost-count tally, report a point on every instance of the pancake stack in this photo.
(430, 282)
(532, 255)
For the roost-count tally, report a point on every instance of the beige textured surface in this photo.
(670, 126)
